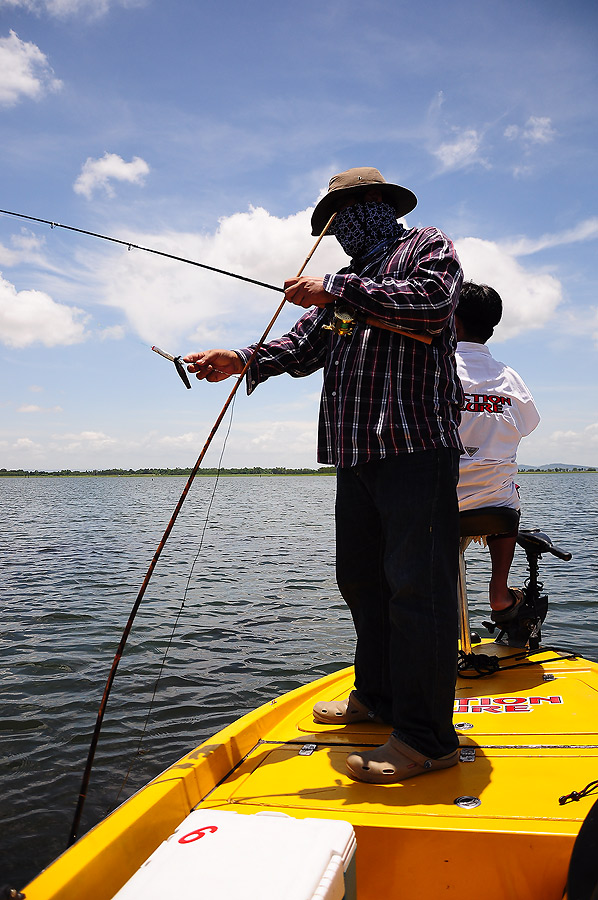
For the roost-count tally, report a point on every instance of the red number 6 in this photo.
(197, 834)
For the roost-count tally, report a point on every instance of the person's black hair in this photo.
(480, 309)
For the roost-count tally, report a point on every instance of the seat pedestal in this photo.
(473, 522)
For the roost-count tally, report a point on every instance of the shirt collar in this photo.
(472, 347)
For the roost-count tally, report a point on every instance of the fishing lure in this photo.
(178, 364)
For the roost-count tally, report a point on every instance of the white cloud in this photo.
(85, 440)
(272, 438)
(166, 301)
(33, 408)
(580, 322)
(9, 257)
(530, 298)
(585, 231)
(62, 8)
(112, 333)
(99, 173)
(180, 307)
(27, 446)
(29, 317)
(259, 442)
(577, 440)
(30, 408)
(522, 171)
(24, 247)
(537, 130)
(189, 439)
(24, 71)
(461, 152)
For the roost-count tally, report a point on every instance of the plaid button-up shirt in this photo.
(383, 393)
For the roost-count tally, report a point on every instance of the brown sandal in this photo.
(342, 712)
(512, 611)
(395, 761)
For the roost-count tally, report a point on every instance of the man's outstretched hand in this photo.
(214, 365)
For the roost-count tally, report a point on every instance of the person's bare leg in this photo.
(502, 549)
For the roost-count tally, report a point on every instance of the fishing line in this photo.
(121, 646)
(180, 610)
(131, 246)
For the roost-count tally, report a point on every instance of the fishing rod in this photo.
(340, 326)
(131, 246)
(156, 557)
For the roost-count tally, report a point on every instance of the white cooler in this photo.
(219, 855)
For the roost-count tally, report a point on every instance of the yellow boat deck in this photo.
(529, 734)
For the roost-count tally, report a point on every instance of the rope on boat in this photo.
(577, 795)
(484, 664)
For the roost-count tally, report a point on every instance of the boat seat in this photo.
(473, 522)
(488, 520)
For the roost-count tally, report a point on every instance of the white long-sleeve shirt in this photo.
(498, 411)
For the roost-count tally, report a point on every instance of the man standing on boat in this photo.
(382, 329)
(498, 411)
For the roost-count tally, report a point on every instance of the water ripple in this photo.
(261, 616)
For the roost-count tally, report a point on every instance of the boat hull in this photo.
(527, 737)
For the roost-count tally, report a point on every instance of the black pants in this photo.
(397, 533)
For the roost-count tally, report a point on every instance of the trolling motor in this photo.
(524, 629)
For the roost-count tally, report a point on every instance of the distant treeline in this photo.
(528, 471)
(255, 470)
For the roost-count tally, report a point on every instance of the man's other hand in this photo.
(214, 365)
(307, 291)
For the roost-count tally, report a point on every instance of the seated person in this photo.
(499, 410)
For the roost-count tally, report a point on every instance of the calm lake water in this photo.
(261, 615)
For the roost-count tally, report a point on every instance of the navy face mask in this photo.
(360, 227)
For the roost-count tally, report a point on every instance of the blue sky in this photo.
(209, 130)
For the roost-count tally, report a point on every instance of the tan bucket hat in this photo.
(357, 181)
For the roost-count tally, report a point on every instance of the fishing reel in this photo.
(342, 323)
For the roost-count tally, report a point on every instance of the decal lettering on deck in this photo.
(501, 704)
(197, 834)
